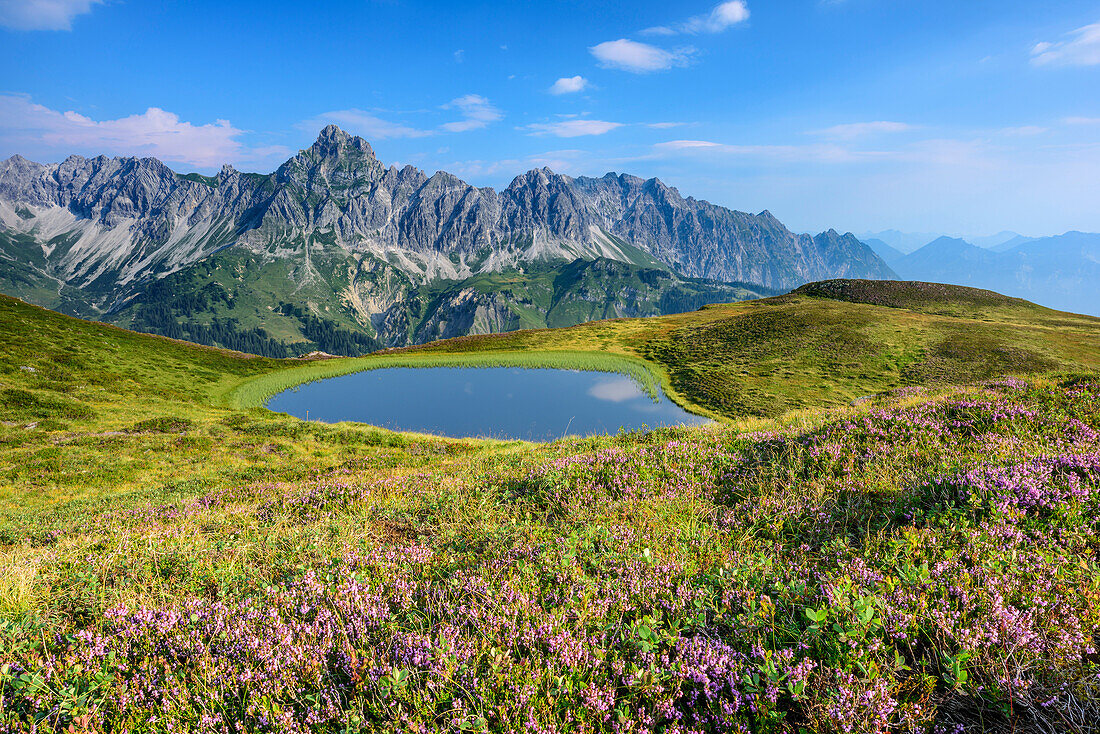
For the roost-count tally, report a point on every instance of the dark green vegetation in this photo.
(23, 270)
(240, 301)
(924, 560)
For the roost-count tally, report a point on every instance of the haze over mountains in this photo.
(906, 242)
(338, 251)
(1060, 272)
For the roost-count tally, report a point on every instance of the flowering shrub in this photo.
(901, 567)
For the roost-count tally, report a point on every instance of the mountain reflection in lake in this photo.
(498, 402)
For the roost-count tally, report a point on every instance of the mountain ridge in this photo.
(355, 239)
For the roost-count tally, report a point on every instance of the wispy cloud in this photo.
(719, 19)
(639, 58)
(569, 85)
(642, 58)
(853, 130)
(43, 15)
(722, 16)
(477, 112)
(665, 125)
(573, 128)
(1022, 131)
(362, 123)
(1082, 120)
(1081, 48)
(26, 125)
(777, 153)
(562, 161)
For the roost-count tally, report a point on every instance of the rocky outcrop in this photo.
(467, 311)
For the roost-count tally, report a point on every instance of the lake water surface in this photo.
(497, 402)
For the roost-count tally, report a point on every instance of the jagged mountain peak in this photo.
(538, 177)
(333, 142)
(128, 222)
(337, 160)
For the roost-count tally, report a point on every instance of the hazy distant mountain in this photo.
(904, 242)
(886, 252)
(1012, 243)
(995, 241)
(1060, 272)
(947, 260)
(336, 237)
(907, 242)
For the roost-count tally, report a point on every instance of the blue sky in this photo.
(961, 116)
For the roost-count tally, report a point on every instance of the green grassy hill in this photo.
(926, 560)
(827, 344)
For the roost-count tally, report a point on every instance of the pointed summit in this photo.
(332, 142)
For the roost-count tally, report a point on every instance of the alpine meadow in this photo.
(564, 450)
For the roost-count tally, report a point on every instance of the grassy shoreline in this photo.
(256, 391)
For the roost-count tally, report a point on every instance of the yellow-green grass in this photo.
(131, 475)
(93, 386)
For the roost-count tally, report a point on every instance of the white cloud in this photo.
(460, 56)
(723, 16)
(43, 15)
(574, 128)
(854, 130)
(665, 125)
(1081, 49)
(477, 112)
(1027, 184)
(569, 84)
(1082, 120)
(362, 123)
(719, 19)
(28, 126)
(639, 58)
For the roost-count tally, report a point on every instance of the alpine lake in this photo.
(531, 404)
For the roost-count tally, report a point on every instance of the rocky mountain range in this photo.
(380, 255)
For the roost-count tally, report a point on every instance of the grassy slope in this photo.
(803, 350)
(124, 480)
(87, 408)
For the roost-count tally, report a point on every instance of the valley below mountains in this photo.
(335, 251)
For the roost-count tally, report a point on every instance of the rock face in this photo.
(333, 219)
(125, 219)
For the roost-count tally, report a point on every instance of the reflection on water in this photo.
(501, 402)
(616, 390)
